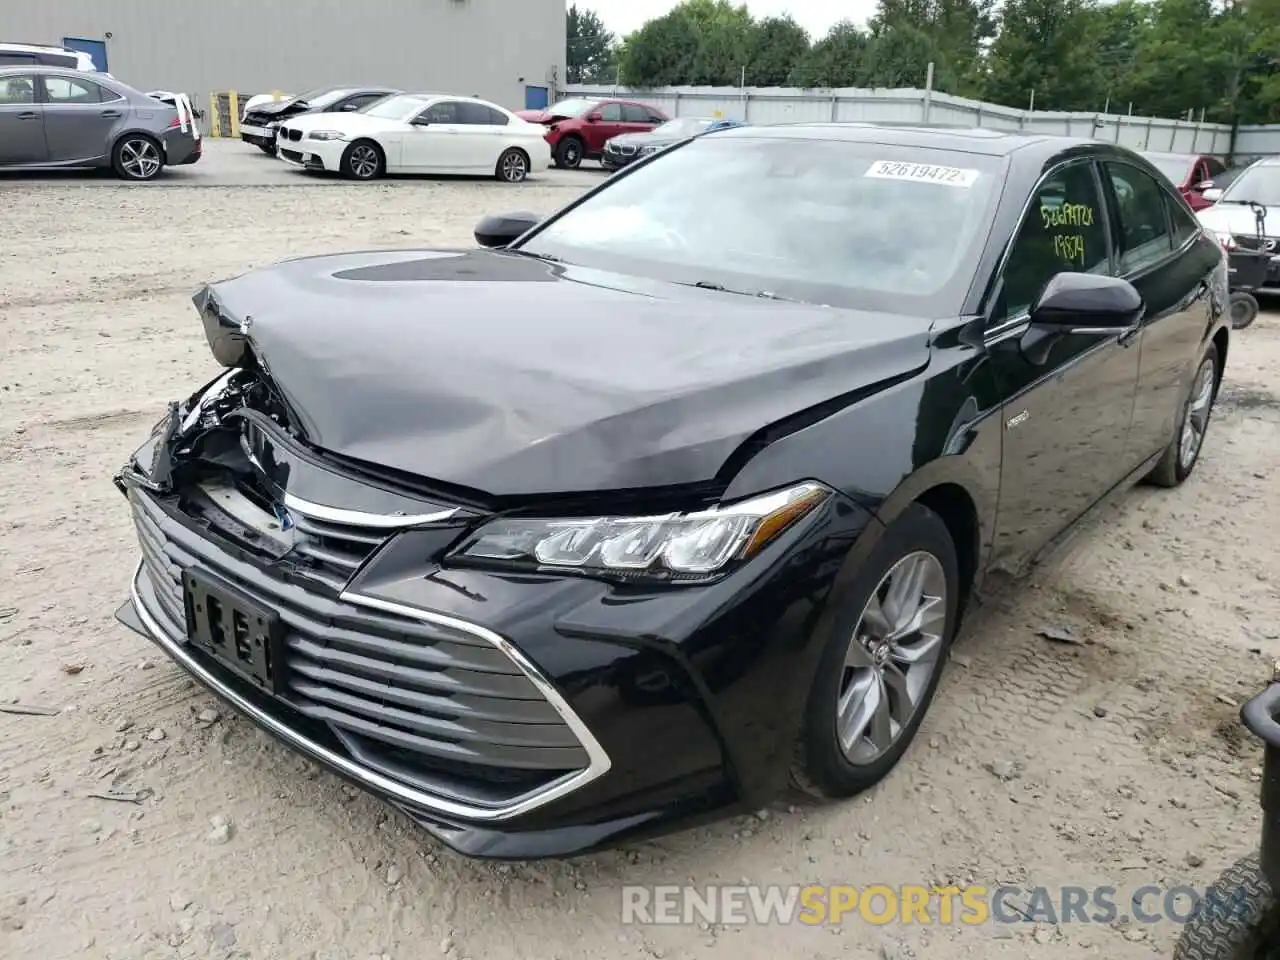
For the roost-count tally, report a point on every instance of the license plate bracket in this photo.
(234, 630)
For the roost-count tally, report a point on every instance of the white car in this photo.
(1234, 221)
(417, 133)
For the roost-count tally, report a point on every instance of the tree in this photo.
(699, 42)
(589, 47)
(837, 60)
(1041, 46)
(778, 44)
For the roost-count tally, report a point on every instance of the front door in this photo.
(434, 142)
(610, 125)
(1068, 398)
(21, 122)
(77, 121)
(1161, 252)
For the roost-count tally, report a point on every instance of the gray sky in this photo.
(816, 16)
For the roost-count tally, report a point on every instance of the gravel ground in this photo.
(1114, 760)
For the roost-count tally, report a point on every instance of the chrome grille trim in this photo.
(598, 759)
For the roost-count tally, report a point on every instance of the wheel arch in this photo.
(1221, 340)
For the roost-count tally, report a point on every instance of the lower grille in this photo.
(426, 704)
(1249, 241)
(293, 155)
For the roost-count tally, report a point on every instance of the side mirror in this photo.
(1086, 301)
(1212, 194)
(502, 229)
(420, 122)
(594, 116)
(349, 107)
(1202, 186)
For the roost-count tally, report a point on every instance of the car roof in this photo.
(41, 68)
(981, 140)
(36, 47)
(1162, 155)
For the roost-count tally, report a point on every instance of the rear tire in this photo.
(847, 744)
(1243, 308)
(1178, 460)
(137, 156)
(363, 160)
(513, 166)
(569, 152)
(1239, 918)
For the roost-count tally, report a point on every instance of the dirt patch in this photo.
(140, 820)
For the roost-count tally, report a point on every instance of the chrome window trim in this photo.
(598, 760)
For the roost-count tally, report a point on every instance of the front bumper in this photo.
(258, 136)
(686, 702)
(318, 156)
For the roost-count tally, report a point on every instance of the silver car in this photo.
(57, 118)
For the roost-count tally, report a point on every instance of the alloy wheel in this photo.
(892, 656)
(1195, 421)
(514, 167)
(363, 162)
(140, 158)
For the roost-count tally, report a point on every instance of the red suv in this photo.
(1189, 173)
(578, 128)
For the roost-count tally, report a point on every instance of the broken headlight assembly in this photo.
(676, 546)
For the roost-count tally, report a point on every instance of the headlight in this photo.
(645, 151)
(1227, 240)
(676, 546)
(326, 135)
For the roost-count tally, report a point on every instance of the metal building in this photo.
(509, 51)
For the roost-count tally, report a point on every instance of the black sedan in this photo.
(629, 147)
(258, 126)
(691, 505)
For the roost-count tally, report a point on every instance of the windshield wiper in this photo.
(721, 288)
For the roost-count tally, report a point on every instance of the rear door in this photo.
(21, 121)
(79, 117)
(1067, 399)
(637, 118)
(483, 133)
(1162, 251)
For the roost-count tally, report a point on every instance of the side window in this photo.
(446, 111)
(612, 112)
(1184, 225)
(634, 113)
(1063, 232)
(64, 90)
(19, 89)
(1140, 209)
(1215, 167)
(480, 115)
(654, 118)
(17, 59)
(355, 103)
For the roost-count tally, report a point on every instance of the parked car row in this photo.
(365, 133)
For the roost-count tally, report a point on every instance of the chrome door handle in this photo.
(111, 114)
(28, 115)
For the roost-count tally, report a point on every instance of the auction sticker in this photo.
(922, 172)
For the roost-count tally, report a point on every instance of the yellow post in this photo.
(276, 95)
(215, 120)
(233, 104)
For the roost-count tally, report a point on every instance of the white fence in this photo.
(792, 105)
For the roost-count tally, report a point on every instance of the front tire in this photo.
(1239, 918)
(1183, 453)
(363, 160)
(137, 156)
(880, 667)
(569, 153)
(513, 166)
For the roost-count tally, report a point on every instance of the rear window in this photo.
(850, 224)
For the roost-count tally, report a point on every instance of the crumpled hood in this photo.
(1236, 218)
(512, 376)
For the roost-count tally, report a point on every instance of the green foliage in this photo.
(1163, 57)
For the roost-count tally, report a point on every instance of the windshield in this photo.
(311, 95)
(570, 108)
(1260, 184)
(683, 127)
(328, 97)
(394, 107)
(860, 225)
(1175, 168)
